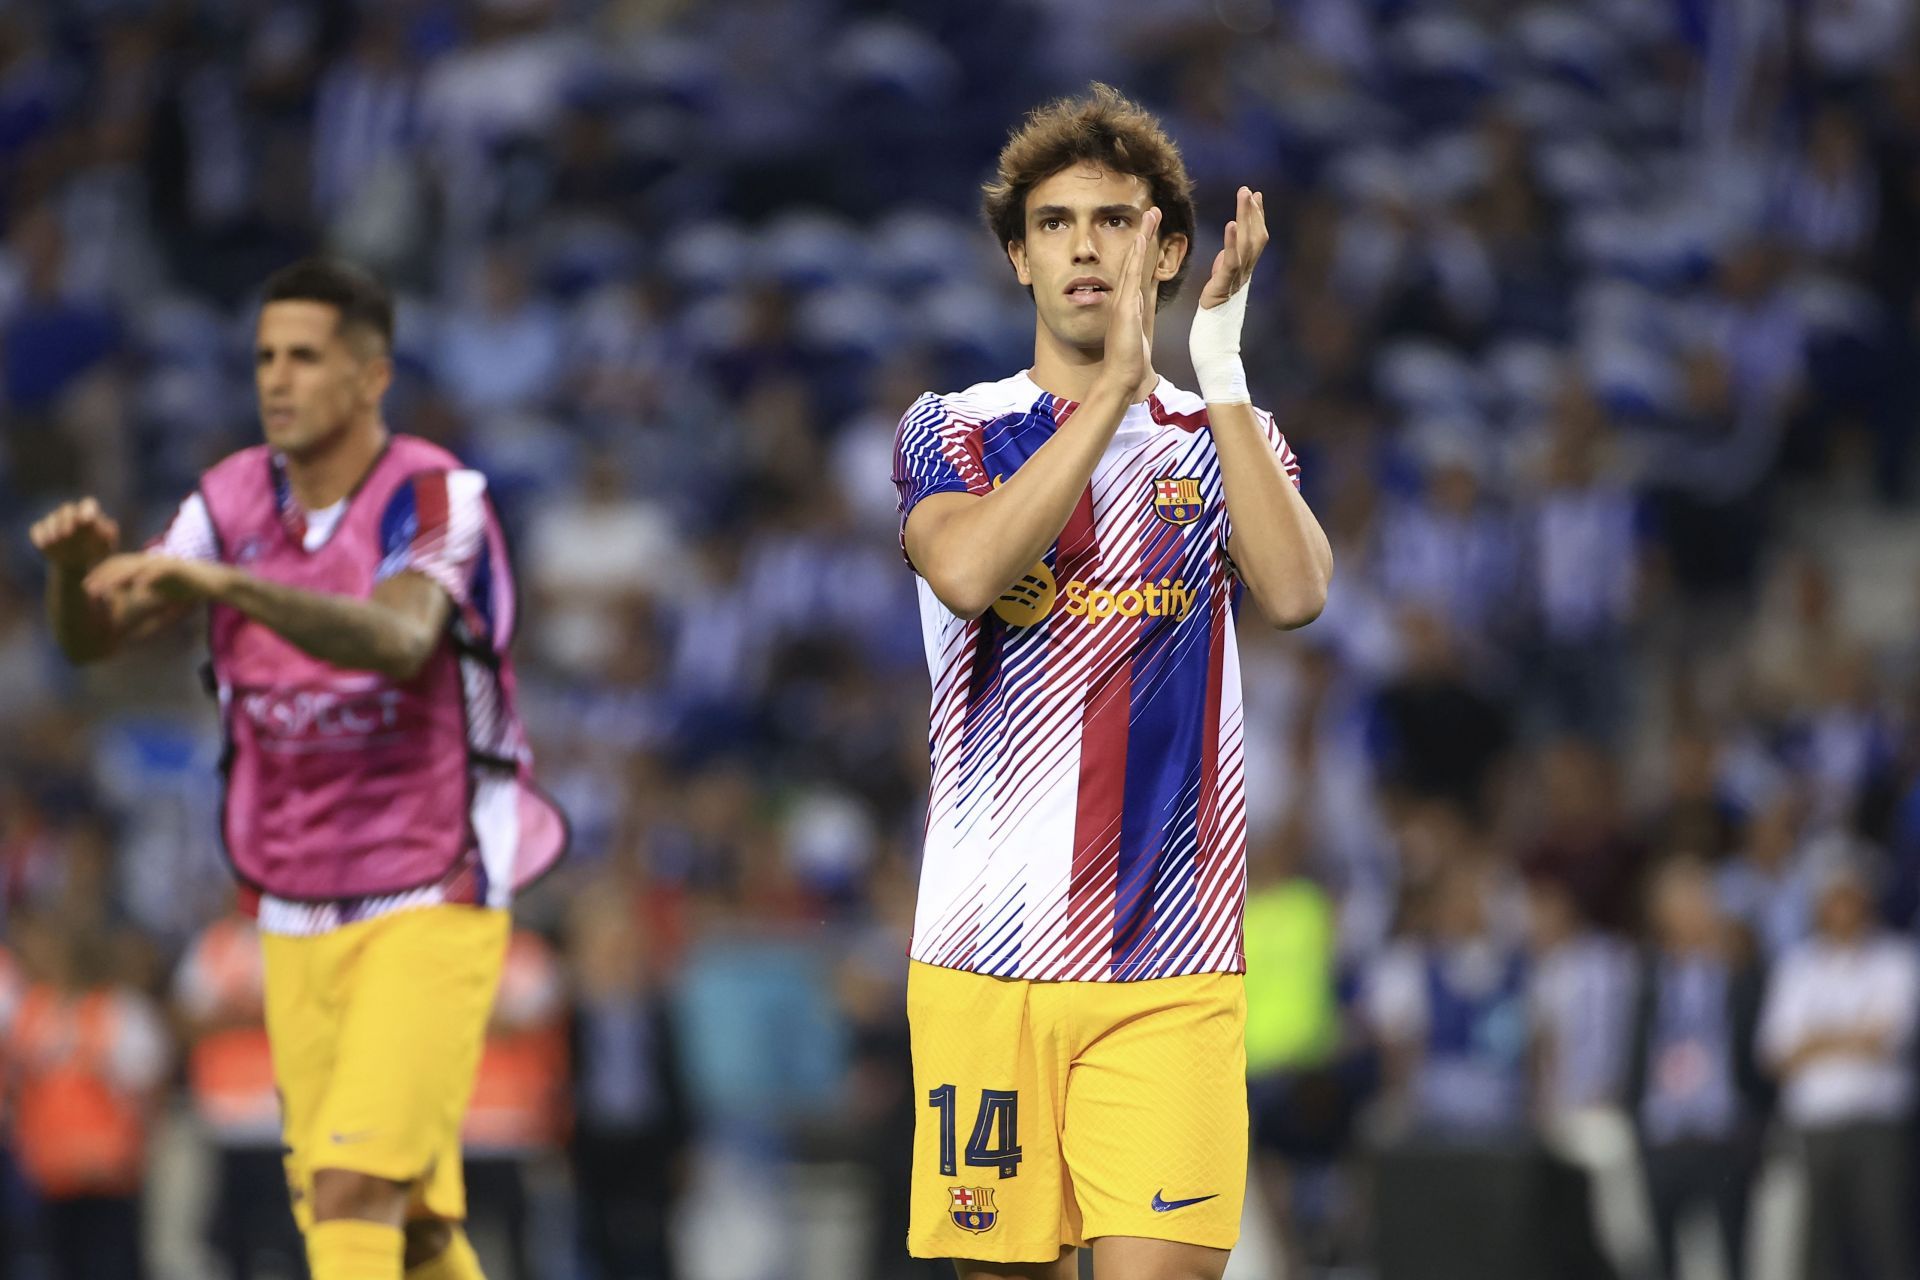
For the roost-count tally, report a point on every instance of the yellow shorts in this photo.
(1054, 1113)
(376, 1030)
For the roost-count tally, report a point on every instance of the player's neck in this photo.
(1070, 372)
(324, 475)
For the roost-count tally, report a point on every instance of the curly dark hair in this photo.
(1103, 127)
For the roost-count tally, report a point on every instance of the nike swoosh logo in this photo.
(344, 1138)
(1168, 1206)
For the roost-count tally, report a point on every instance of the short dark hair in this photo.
(1102, 127)
(362, 301)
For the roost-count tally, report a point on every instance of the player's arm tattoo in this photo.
(394, 633)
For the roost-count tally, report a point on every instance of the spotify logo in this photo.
(1028, 600)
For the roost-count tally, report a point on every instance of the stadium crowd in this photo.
(1587, 815)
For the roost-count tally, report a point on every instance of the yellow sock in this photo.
(456, 1262)
(350, 1249)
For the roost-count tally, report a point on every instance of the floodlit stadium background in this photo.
(1594, 325)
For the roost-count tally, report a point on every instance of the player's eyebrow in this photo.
(1045, 211)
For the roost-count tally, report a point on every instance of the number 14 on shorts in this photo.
(995, 1141)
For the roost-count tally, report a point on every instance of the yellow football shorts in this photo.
(376, 1030)
(1054, 1113)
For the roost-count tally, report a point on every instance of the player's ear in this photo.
(376, 375)
(1017, 255)
(1173, 252)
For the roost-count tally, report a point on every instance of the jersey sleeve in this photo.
(1278, 443)
(435, 525)
(935, 452)
(189, 535)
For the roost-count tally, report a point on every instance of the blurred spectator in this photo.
(1697, 814)
(219, 1001)
(517, 1113)
(492, 97)
(86, 1057)
(1452, 551)
(631, 1116)
(1449, 1005)
(1838, 1033)
(1586, 561)
(1850, 39)
(12, 987)
(1829, 199)
(366, 116)
(1759, 328)
(582, 606)
(1703, 476)
(1441, 737)
(28, 675)
(29, 845)
(1306, 1078)
(1582, 839)
(1693, 1083)
(500, 351)
(50, 340)
(881, 1105)
(1582, 998)
(1766, 889)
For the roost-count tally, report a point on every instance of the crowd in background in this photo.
(1589, 810)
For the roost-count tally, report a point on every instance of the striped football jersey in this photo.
(1087, 817)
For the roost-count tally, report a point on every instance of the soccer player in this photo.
(1083, 532)
(379, 794)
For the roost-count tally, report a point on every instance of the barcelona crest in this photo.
(1176, 499)
(972, 1208)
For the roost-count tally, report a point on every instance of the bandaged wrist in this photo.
(1214, 344)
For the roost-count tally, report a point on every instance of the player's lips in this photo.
(1087, 291)
(277, 415)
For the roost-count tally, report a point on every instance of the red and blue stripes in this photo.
(1086, 818)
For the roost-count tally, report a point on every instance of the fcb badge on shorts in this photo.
(1176, 499)
(972, 1208)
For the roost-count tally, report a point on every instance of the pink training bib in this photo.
(346, 784)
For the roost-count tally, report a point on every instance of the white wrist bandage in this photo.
(1214, 345)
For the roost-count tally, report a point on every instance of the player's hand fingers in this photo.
(1253, 228)
(1130, 267)
(1149, 248)
(116, 573)
(52, 528)
(1227, 272)
(1126, 289)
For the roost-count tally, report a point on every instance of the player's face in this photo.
(313, 380)
(1079, 223)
